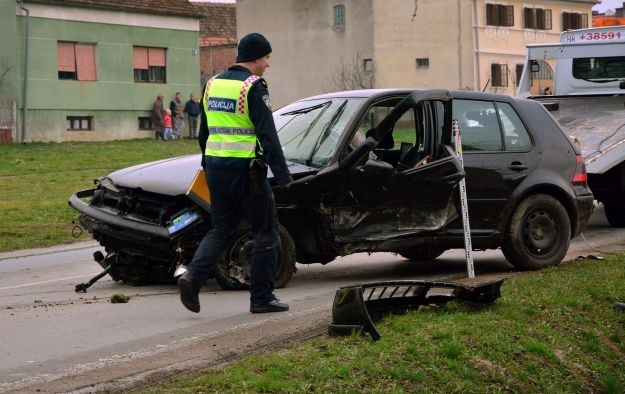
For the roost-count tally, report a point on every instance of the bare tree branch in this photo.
(353, 75)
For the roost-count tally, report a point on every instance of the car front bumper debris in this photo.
(355, 307)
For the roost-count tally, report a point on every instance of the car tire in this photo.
(615, 211)
(422, 252)
(539, 233)
(233, 269)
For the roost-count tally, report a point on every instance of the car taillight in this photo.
(579, 177)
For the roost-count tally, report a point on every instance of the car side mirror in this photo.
(376, 169)
(534, 66)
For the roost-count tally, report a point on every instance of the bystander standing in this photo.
(177, 112)
(157, 117)
(192, 109)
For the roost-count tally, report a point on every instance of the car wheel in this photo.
(539, 233)
(615, 211)
(233, 270)
(422, 252)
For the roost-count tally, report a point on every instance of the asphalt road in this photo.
(54, 339)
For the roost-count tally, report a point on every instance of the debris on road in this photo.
(119, 298)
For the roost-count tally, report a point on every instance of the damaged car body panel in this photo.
(372, 204)
(374, 170)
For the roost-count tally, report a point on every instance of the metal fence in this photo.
(8, 121)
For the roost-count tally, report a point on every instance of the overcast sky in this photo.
(608, 4)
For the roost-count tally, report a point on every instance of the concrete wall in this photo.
(114, 100)
(307, 50)
(440, 31)
(452, 34)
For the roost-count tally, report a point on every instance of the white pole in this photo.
(463, 202)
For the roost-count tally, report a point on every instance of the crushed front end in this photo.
(145, 234)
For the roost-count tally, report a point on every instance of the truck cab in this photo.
(587, 62)
(586, 96)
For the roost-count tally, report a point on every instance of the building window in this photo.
(499, 15)
(573, 20)
(77, 123)
(499, 75)
(145, 123)
(537, 18)
(339, 16)
(367, 65)
(76, 61)
(518, 72)
(423, 63)
(149, 64)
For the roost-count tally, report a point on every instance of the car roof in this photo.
(371, 93)
(362, 93)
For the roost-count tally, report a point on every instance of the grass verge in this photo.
(37, 179)
(551, 331)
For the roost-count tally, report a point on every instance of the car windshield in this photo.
(309, 130)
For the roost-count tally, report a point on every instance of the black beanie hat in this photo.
(251, 47)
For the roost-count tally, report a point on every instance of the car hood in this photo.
(174, 176)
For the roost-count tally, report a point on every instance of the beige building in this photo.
(327, 45)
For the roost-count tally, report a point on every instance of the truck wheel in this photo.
(233, 270)
(615, 211)
(539, 233)
(422, 252)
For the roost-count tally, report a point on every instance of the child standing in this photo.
(167, 122)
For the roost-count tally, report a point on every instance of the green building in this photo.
(94, 67)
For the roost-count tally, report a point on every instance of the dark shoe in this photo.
(619, 306)
(189, 291)
(271, 306)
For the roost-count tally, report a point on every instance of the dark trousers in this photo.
(158, 133)
(231, 201)
(192, 126)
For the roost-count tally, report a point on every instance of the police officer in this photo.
(237, 130)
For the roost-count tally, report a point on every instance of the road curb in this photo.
(15, 254)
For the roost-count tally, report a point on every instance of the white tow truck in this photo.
(587, 98)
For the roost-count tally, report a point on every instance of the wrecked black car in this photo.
(375, 171)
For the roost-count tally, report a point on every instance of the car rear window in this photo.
(483, 123)
(478, 125)
(515, 135)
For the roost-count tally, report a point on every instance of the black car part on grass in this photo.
(356, 307)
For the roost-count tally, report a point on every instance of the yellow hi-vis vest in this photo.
(231, 131)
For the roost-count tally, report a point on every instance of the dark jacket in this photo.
(192, 108)
(262, 118)
(157, 113)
